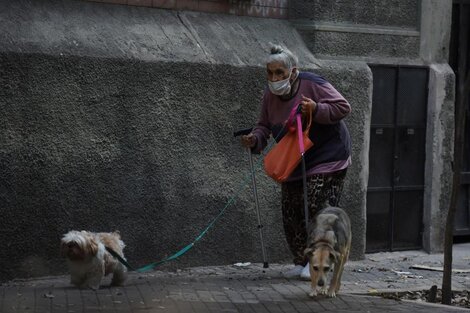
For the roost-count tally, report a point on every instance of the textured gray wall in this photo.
(436, 20)
(117, 117)
(352, 29)
(69, 27)
(122, 118)
(350, 44)
(408, 32)
(103, 144)
(400, 13)
(439, 155)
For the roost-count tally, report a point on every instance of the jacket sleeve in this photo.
(331, 105)
(262, 130)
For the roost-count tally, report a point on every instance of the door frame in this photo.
(459, 47)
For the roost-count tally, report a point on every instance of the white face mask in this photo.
(281, 87)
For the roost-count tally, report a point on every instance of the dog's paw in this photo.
(331, 294)
(323, 291)
(313, 294)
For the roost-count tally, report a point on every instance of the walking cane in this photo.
(241, 132)
(302, 154)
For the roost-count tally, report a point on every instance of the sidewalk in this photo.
(244, 289)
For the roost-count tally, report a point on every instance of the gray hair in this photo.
(281, 54)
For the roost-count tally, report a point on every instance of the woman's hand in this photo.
(249, 141)
(306, 102)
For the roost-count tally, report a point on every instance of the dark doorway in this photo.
(459, 60)
(396, 158)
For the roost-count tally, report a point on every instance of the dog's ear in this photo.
(92, 246)
(308, 252)
(63, 248)
(334, 256)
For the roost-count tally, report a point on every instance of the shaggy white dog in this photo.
(88, 259)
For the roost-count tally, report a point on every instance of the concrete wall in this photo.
(399, 32)
(436, 18)
(259, 8)
(117, 117)
(439, 155)
(348, 28)
(121, 117)
(398, 13)
(145, 148)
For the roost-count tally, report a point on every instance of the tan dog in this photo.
(88, 259)
(329, 242)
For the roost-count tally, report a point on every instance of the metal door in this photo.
(396, 158)
(460, 48)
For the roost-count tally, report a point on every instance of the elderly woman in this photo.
(326, 162)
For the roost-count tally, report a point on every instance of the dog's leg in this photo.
(343, 262)
(313, 293)
(337, 284)
(77, 275)
(77, 279)
(331, 291)
(313, 281)
(94, 282)
(119, 275)
(334, 279)
(95, 276)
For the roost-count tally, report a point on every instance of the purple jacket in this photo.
(332, 143)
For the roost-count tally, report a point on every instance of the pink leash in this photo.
(299, 133)
(304, 168)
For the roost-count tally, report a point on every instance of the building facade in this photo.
(120, 115)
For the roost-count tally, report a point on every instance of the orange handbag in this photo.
(282, 160)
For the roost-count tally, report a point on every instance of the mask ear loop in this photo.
(296, 74)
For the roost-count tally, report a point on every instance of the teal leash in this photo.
(120, 258)
(203, 233)
(211, 224)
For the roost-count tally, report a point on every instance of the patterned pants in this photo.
(320, 188)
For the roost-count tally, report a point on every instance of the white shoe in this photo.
(305, 274)
(293, 272)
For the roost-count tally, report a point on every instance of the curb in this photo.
(377, 291)
(430, 304)
(438, 305)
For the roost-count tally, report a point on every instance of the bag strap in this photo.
(300, 132)
(298, 110)
(291, 121)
